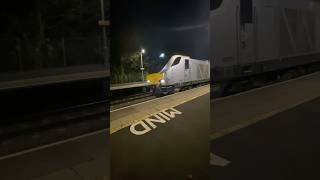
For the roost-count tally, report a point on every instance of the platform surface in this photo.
(284, 146)
(50, 76)
(238, 111)
(86, 158)
(124, 117)
(268, 133)
(177, 148)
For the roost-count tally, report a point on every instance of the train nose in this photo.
(155, 78)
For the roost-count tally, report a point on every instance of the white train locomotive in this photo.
(179, 73)
(255, 38)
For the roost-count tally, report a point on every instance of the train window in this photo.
(245, 11)
(215, 4)
(186, 64)
(176, 61)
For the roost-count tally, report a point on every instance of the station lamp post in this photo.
(162, 55)
(143, 51)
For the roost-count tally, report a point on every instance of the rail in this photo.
(128, 85)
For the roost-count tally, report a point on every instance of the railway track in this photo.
(130, 100)
(124, 100)
(51, 126)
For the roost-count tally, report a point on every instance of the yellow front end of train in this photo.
(155, 79)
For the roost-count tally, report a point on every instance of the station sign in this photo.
(103, 23)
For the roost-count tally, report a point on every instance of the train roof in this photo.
(182, 56)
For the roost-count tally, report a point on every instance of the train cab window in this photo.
(215, 4)
(186, 64)
(245, 11)
(176, 61)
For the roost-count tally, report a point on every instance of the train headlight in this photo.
(162, 81)
(148, 81)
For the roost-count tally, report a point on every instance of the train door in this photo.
(176, 72)
(246, 36)
(187, 71)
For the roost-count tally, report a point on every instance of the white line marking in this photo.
(264, 87)
(53, 144)
(148, 124)
(153, 100)
(218, 161)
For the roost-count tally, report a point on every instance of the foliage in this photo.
(42, 34)
(129, 68)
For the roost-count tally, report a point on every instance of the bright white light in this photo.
(162, 55)
(162, 81)
(148, 81)
(143, 51)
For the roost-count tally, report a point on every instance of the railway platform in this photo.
(52, 76)
(173, 132)
(123, 117)
(81, 158)
(272, 132)
(162, 138)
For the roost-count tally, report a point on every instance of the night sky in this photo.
(167, 26)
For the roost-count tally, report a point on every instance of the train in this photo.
(179, 73)
(255, 40)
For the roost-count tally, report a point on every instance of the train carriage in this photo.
(179, 73)
(250, 38)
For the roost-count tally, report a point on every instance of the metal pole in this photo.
(142, 74)
(64, 52)
(19, 54)
(104, 35)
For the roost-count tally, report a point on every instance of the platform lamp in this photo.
(143, 51)
(162, 55)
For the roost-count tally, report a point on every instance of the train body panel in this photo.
(181, 71)
(184, 70)
(250, 37)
